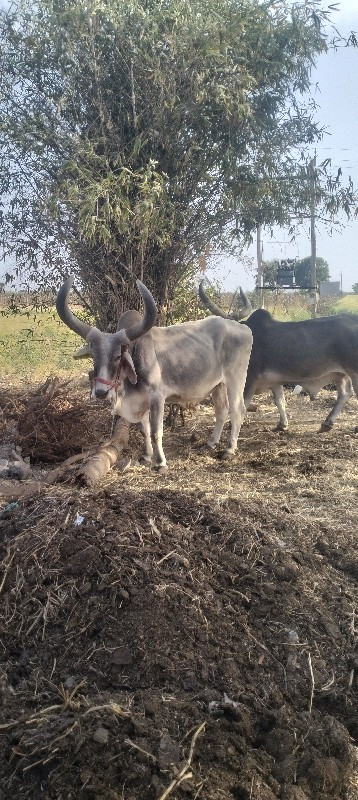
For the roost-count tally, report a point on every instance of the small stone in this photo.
(24, 658)
(18, 469)
(70, 683)
(169, 753)
(293, 636)
(294, 793)
(101, 736)
(152, 707)
(157, 785)
(85, 775)
(124, 464)
(121, 656)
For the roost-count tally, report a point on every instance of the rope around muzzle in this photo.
(112, 384)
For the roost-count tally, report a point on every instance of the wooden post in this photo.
(259, 266)
(313, 291)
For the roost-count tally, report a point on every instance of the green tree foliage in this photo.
(269, 271)
(134, 132)
(355, 288)
(303, 271)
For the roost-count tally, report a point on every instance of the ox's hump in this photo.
(259, 319)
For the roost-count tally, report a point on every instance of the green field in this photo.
(294, 307)
(347, 303)
(33, 347)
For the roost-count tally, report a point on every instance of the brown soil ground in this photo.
(224, 593)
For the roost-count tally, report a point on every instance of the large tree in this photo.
(135, 132)
(303, 271)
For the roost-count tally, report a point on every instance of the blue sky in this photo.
(337, 97)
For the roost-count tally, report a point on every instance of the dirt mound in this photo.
(133, 616)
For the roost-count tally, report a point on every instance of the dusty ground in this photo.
(224, 593)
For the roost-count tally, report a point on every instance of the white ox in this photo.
(141, 367)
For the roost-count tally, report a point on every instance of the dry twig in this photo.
(312, 684)
(7, 564)
(136, 747)
(185, 772)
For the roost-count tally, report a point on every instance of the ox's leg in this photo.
(344, 392)
(279, 398)
(354, 379)
(221, 406)
(249, 392)
(237, 409)
(156, 426)
(144, 427)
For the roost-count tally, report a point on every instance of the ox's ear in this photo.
(127, 367)
(83, 352)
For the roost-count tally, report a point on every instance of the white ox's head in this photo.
(112, 360)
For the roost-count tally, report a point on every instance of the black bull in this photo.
(311, 353)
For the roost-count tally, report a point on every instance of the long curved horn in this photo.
(246, 308)
(208, 303)
(146, 323)
(72, 322)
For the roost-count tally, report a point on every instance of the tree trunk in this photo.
(100, 462)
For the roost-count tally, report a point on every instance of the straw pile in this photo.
(58, 423)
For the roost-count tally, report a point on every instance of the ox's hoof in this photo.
(281, 428)
(206, 447)
(226, 456)
(252, 407)
(145, 462)
(161, 469)
(325, 427)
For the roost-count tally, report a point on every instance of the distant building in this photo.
(330, 288)
(286, 273)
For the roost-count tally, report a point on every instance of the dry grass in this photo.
(314, 474)
(54, 421)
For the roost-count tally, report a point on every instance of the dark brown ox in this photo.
(311, 353)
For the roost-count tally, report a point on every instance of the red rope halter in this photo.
(115, 383)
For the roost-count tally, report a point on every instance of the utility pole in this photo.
(259, 265)
(313, 290)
